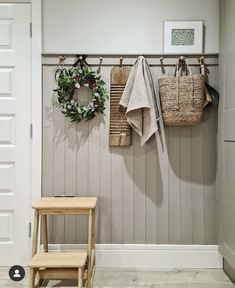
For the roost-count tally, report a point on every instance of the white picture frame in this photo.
(183, 37)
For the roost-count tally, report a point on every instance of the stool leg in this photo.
(80, 277)
(39, 281)
(31, 277)
(35, 233)
(89, 268)
(44, 232)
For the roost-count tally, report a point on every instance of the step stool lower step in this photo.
(59, 260)
(57, 264)
(60, 273)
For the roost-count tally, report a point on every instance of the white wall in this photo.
(124, 26)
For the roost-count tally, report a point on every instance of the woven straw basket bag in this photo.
(182, 97)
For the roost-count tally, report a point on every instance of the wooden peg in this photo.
(61, 59)
(121, 61)
(202, 65)
(99, 67)
(202, 59)
(101, 60)
(162, 65)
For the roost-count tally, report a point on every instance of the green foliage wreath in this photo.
(71, 79)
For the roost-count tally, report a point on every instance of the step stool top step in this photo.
(65, 203)
(58, 260)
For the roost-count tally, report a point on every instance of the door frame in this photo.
(36, 104)
(36, 99)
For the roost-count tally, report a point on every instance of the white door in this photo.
(15, 88)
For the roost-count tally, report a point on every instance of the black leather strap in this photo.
(214, 94)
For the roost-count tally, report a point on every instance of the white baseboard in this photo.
(134, 256)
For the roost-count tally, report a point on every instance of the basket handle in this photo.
(182, 62)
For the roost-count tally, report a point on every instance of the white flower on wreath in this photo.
(77, 85)
(91, 105)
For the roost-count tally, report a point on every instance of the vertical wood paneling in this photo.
(152, 185)
(128, 195)
(105, 212)
(161, 193)
(82, 157)
(116, 199)
(139, 190)
(174, 185)
(94, 165)
(209, 174)
(59, 169)
(197, 185)
(162, 186)
(70, 176)
(210, 166)
(186, 185)
(151, 191)
(163, 211)
(47, 141)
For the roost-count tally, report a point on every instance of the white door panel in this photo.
(15, 87)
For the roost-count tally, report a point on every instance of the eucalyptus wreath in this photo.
(71, 79)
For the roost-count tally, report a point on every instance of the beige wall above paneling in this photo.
(150, 194)
(124, 26)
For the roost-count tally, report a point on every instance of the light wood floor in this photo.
(110, 278)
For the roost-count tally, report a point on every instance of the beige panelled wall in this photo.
(151, 194)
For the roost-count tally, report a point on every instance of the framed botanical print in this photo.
(183, 37)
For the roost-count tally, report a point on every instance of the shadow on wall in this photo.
(187, 153)
(145, 193)
(63, 129)
(192, 150)
(149, 169)
(133, 183)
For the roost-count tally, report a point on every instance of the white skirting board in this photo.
(135, 256)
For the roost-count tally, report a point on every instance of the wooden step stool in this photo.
(53, 261)
(62, 265)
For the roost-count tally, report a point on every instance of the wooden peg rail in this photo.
(112, 60)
